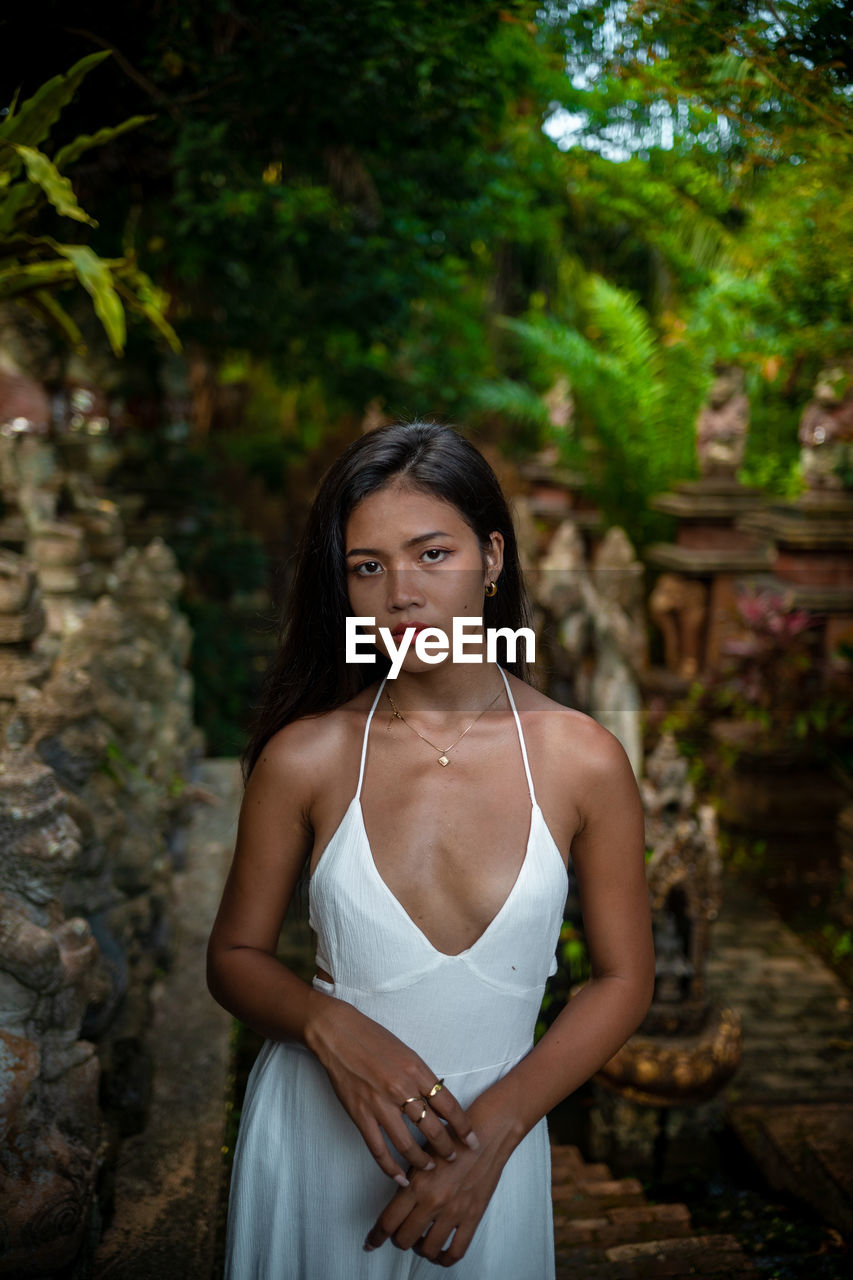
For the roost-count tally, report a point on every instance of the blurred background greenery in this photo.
(322, 212)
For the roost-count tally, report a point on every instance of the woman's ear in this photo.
(494, 557)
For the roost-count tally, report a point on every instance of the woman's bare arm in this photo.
(370, 1069)
(609, 859)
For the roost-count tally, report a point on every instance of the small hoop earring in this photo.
(491, 589)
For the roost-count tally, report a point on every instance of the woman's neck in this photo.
(450, 689)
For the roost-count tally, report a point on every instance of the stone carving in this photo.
(73, 551)
(684, 875)
(112, 718)
(559, 404)
(96, 742)
(619, 642)
(826, 430)
(562, 591)
(50, 1128)
(601, 628)
(686, 1049)
(21, 621)
(722, 425)
(679, 606)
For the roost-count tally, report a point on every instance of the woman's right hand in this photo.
(372, 1072)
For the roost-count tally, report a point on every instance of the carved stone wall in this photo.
(97, 743)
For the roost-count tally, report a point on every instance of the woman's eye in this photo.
(434, 555)
(368, 568)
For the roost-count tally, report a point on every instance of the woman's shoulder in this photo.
(311, 746)
(561, 730)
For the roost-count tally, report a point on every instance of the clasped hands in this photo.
(379, 1080)
(437, 1214)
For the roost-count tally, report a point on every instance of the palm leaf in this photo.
(28, 277)
(46, 305)
(44, 174)
(97, 279)
(32, 121)
(142, 295)
(73, 150)
(20, 197)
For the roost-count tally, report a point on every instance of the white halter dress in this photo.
(304, 1189)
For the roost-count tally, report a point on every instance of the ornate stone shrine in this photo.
(693, 601)
(812, 538)
(687, 1048)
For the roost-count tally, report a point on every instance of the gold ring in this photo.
(436, 1088)
(419, 1099)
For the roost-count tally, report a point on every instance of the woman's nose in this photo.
(402, 588)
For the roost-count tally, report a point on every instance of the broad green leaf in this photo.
(96, 277)
(66, 155)
(48, 305)
(13, 105)
(36, 116)
(21, 196)
(141, 294)
(28, 277)
(55, 185)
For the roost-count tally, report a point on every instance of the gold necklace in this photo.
(442, 759)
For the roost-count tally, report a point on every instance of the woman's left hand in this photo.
(451, 1198)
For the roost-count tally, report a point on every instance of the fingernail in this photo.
(452, 1156)
(368, 1248)
(403, 1181)
(429, 1166)
(473, 1142)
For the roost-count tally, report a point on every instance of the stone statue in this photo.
(722, 425)
(562, 591)
(826, 430)
(687, 1048)
(679, 605)
(620, 649)
(558, 402)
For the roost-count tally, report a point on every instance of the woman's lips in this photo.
(403, 627)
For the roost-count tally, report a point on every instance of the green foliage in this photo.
(741, 78)
(333, 246)
(34, 267)
(634, 399)
(713, 145)
(773, 695)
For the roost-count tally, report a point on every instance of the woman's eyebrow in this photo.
(421, 537)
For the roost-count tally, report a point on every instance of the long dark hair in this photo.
(309, 675)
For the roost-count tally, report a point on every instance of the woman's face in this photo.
(413, 561)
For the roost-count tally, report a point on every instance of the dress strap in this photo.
(366, 731)
(520, 737)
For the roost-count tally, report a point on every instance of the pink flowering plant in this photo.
(775, 692)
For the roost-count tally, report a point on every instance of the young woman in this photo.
(395, 1117)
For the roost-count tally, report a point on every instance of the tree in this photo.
(342, 190)
(35, 267)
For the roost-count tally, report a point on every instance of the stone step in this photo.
(718, 1255)
(567, 1160)
(584, 1190)
(621, 1226)
(588, 1199)
(805, 1149)
(602, 1240)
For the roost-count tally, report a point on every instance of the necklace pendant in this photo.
(443, 760)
